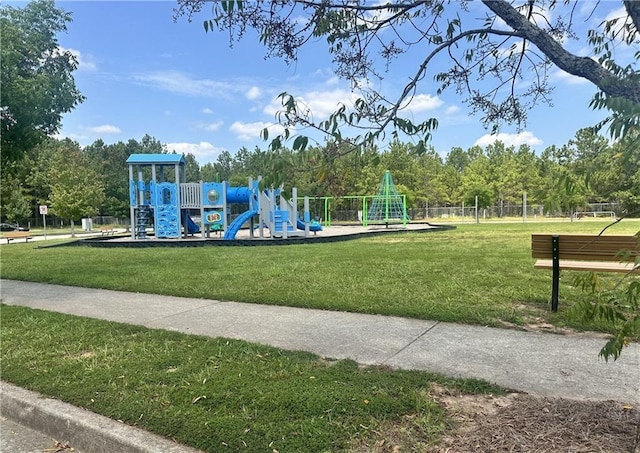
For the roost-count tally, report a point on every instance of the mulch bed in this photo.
(529, 424)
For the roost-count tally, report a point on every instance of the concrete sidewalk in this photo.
(541, 364)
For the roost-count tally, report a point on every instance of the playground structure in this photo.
(386, 207)
(160, 199)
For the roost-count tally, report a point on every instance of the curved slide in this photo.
(313, 226)
(235, 226)
(192, 227)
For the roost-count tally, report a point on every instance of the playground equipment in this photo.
(160, 199)
(388, 205)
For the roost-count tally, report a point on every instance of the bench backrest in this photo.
(587, 247)
(15, 234)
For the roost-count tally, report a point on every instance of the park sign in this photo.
(44, 209)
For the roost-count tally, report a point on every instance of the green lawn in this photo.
(475, 274)
(218, 394)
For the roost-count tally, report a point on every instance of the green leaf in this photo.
(300, 143)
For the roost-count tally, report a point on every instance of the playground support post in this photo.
(327, 212)
(365, 210)
(307, 219)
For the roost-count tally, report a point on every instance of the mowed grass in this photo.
(475, 274)
(218, 394)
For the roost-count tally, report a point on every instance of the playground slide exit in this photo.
(313, 226)
(192, 227)
(237, 223)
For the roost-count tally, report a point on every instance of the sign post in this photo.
(43, 211)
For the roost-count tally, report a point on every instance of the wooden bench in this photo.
(11, 235)
(107, 230)
(583, 252)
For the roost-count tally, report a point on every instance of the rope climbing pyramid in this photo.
(388, 205)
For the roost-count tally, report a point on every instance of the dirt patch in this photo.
(514, 423)
(534, 320)
(523, 423)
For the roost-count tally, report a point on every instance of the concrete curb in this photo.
(85, 430)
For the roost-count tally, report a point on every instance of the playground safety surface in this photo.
(243, 238)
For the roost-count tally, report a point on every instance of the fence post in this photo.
(477, 220)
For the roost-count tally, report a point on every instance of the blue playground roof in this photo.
(158, 159)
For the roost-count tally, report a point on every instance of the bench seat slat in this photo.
(11, 235)
(590, 266)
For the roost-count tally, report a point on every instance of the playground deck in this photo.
(328, 234)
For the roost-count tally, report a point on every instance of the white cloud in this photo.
(204, 151)
(320, 103)
(332, 81)
(253, 93)
(378, 16)
(104, 129)
(522, 138)
(569, 79)
(211, 127)
(452, 110)
(85, 63)
(182, 83)
(80, 138)
(251, 131)
(206, 111)
(423, 103)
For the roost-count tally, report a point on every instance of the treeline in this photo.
(78, 182)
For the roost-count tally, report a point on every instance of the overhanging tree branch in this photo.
(584, 67)
(356, 31)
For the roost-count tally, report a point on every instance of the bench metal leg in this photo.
(555, 262)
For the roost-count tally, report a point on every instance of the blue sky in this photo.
(143, 73)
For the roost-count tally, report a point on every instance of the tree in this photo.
(36, 76)
(76, 189)
(208, 172)
(15, 200)
(223, 165)
(109, 161)
(512, 48)
(192, 169)
(476, 178)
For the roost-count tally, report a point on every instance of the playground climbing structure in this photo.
(388, 206)
(160, 200)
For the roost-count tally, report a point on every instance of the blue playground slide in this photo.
(192, 227)
(313, 226)
(235, 226)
